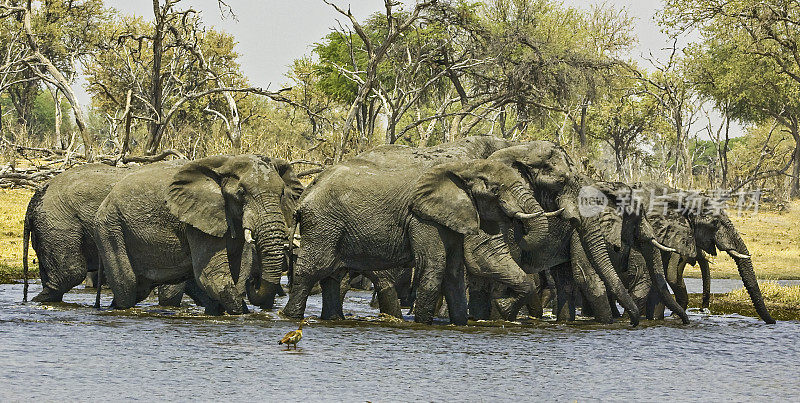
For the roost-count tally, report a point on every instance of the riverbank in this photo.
(772, 237)
(783, 301)
(12, 214)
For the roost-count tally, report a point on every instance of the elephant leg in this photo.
(332, 295)
(211, 266)
(403, 286)
(344, 284)
(480, 298)
(313, 265)
(705, 271)
(385, 291)
(653, 300)
(170, 294)
(612, 304)
(534, 303)
(117, 268)
(675, 267)
(431, 261)
(199, 296)
(71, 271)
(565, 303)
(454, 286)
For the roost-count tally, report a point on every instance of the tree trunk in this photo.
(57, 119)
(156, 127)
(794, 184)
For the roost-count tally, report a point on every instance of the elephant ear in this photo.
(440, 196)
(195, 195)
(673, 230)
(609, 218)
(293, 187)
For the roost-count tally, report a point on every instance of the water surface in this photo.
(73, 352)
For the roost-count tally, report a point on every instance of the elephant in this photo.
(557, 187)
(633, 248)
(221, 220)
(422, 210)
(59, 223)
(693, 231)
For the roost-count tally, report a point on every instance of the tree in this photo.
(763, 35)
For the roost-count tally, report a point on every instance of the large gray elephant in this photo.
(557, 186)
(634, 249)
(394, 206)
(59, 224)
(693, 230)
(168, 222)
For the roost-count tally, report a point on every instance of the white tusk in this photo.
(662, 247)
(248, 235)
(526, 216)
(554, 213)
(737, 254)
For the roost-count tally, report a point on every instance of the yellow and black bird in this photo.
(293, 337)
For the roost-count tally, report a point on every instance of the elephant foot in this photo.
(214, 309)
(48, 295)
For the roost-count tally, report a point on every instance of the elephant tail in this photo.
(30, 213)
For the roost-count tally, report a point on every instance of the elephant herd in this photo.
(486, 223)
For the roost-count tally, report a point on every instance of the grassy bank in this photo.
(783, 302)
(773, 240)
(12, 213)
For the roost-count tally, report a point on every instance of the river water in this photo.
(73, 352)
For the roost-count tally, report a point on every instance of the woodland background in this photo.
(415, 73)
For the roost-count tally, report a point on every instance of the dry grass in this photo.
(782, 301)
(13, 202)
(773, 293)
(773, 240)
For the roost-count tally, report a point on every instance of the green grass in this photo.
(782, 301)
(12, 214)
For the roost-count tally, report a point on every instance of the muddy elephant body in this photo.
(695, 231)
(394, 207)
(59, 223)
(170, 222)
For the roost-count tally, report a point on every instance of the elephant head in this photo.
(557, 186)
(700, 226)
(625, 226)
(242, 197)
(479, 195)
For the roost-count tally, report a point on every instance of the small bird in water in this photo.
(293, 337)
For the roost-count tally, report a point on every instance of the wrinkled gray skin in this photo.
(59, 224)
(556, 185)
(692, 234)
(169, 222)
(395, 206)
(636, 259)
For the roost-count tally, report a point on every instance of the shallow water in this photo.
(72, 352)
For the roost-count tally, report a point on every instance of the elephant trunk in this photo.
(655, 267)
(536, 227)
(269, 238)
(746, 271)
(595, 246)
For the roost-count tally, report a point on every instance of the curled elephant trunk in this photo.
(264, 284)
(533, 218)
(594, 244)
(655, 268)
